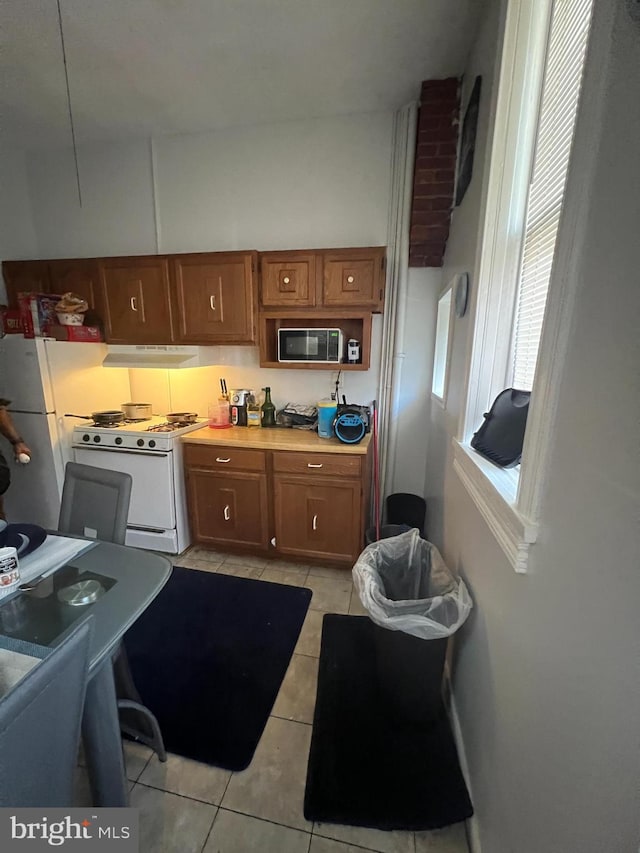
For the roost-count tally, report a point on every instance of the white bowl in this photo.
(70, 319)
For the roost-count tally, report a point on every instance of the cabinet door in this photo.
(287, 279)
(318, 518)
(354, 277)
(136, 299)
(215, 296)
(228, 508)
(81, 277)
(25, 276)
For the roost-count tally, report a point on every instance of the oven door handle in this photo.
(121, 450)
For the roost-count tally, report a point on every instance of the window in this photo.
(559, 103)
(441, 354)
(540, 81)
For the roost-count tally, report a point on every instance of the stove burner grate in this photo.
(166, 427)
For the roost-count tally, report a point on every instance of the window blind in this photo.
(561, 84)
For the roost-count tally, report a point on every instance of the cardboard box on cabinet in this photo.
(83, 334)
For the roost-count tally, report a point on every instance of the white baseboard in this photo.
(473, 832)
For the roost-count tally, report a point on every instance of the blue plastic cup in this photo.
(326, 413)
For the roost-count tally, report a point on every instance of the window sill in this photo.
(494, 492)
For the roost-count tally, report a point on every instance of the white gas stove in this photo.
(150, 452)
(153, 433)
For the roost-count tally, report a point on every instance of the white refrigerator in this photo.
(45, 379)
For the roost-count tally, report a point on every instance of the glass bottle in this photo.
(268, 410)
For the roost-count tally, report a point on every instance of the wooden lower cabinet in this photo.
(228, 508)
(291, 503)
(317, 518)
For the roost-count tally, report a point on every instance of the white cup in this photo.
(9, 569)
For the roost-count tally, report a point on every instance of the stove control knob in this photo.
(140, 442)
(96, 438)
(118, 440)
(85, 437)
(152, 443)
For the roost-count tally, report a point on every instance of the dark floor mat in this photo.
(368, 767)
(208, 657)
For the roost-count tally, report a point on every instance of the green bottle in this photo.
(267, 410)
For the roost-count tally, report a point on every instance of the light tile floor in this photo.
(187, 806)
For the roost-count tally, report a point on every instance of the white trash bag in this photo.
(405, 585)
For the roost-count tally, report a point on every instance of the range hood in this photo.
(164, 357)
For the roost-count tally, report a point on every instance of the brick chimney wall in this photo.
(434, 171)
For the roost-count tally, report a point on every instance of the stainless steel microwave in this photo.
(323, 346)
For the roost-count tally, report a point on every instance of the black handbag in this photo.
(501, 434)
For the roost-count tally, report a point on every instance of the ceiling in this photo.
(141, 67)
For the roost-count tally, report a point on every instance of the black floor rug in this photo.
(208, 657)
(367, 767)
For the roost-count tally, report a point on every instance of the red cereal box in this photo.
(38, 313)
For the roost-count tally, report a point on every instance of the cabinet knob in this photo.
(350, 279)
(227, 513)
(286, 279)
(220, 459)
(312, 465)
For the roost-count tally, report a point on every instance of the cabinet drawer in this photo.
(221, 458)
(318, 464)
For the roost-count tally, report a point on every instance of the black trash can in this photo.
(416, 604)
(386, 531)
(408, 509)
(410, 672)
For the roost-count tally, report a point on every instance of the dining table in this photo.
(120, 582)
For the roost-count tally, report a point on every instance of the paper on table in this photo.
(55, 552)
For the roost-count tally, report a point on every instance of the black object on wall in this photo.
(468, 141)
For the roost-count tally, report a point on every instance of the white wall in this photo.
(117, 213)
(415, 387)
(304, 184)
(547, 675)
(17, 230)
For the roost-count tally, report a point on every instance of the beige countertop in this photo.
(277, 438)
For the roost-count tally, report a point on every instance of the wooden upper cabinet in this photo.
(323, 278)
(25, 276)
(288, 279)
(82, 277)
(354, 277)
(137, 303)
(216, 297)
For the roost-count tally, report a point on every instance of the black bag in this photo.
(501, 435)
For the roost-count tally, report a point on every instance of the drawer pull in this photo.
(220, 459)
(312, 465)
(212, 302)
(227, 513)
(134, 307)
(314, 523)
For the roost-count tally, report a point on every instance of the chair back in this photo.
(95, 503)
(40, 727)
